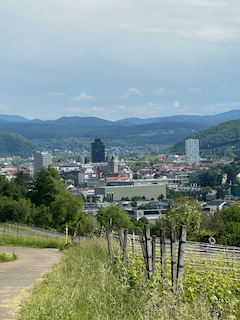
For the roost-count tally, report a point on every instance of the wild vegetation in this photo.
(7, 257)
(83, 286)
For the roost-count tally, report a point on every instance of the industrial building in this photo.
(150, 191)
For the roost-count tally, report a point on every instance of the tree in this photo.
(136, 176)
(47, 190)
(90, 224)
(117, 215)
(141, 222)
(187, 213)
(160, 197)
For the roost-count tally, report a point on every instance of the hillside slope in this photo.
(224, 135)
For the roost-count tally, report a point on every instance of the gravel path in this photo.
(18, 275)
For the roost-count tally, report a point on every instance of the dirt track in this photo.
(17, 276)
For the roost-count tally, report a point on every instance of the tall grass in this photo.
(30, 241)
(83, 286)
(7, 257)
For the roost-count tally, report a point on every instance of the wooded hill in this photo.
(224, 136)
(12, 144)
(78, 137)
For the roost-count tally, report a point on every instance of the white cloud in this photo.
(176, 104)
(122, 107)
(159, 91)
(82, 97)
(132, 92)
(71, 110)
(193, 89)
(55, 94)
(97, 109)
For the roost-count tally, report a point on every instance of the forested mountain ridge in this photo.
(224, 135)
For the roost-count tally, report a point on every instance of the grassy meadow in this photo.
(83, 286)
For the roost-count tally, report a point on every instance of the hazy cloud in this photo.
(122, 107)
(55, 94)
(132, 92)
(149, 105)
(97, 109)
(71, 110)
(159, 91)
(193, 89)
(5, 106)
(82, 97)
(224, 86)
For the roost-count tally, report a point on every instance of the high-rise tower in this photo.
(192, 150)
(41, 159)
(97, 151)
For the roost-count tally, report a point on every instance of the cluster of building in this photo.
(107, 181)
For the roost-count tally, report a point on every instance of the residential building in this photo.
(192, 150)
(41, 159)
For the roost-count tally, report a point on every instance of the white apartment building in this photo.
(41, 159)
(192, 150)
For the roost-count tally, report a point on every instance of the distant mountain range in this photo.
(97, 122)
(76, 133)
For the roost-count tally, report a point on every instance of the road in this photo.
(17, 276)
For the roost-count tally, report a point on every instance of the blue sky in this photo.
(119, 59)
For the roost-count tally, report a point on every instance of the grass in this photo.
(30, 241)
(83, 286)
(7, 257)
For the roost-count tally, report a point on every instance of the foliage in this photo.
(48, 191)
(90, 224)
(7, 257)
(141, 222)
(93, 291)
(187, 213)
(117, 215)
(226, 224)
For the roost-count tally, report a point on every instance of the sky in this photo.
(117, 59)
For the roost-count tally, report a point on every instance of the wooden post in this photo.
(140, 233)
(148, 250)
(125, 247)
(163, 254)
(181, 251)
(120, 236)
(109, 240)
(153, 253)
(79, 232)
(173, 257)
(133, 242)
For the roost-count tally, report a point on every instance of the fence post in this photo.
(148, 250)
(153, 253)
(140, 233)
(109, 240)
(173, 257)
(133, 242)
(120, 236)
(125, 247)
(163, 254)
(181, 251)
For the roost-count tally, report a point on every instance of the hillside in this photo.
(12, 144)
(223, 136)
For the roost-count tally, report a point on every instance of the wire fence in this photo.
(15, 229)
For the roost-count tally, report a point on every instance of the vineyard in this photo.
(212, 271)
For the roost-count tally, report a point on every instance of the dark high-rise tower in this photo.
(97, 151)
